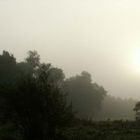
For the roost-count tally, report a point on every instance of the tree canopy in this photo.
(86, 97)
(7, 68)
(137, 110)
(35, 104)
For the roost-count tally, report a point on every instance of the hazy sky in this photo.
(99, 36)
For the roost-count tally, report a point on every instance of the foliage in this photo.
(137, 110)
(86, 97)
(33, 104)
(7, 68)
(116, 108)
(36, 105)
(33, 59)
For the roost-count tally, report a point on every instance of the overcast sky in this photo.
(99, 36)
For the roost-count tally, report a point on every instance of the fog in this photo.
(101, 37)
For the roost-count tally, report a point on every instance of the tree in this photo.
(36, 105)
(7, 68)
(86, 97)
(137, 110)
(33, 59)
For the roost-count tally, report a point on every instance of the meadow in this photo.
(103, 130)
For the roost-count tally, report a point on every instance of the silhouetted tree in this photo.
(36, 105)
(86, 97)
(137, 110)
(7, 68)
(33, 59)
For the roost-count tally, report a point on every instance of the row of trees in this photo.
(38, 102)
(33, 97)
(116, 109)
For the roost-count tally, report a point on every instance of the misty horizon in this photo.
(69, 70)
(101, 37)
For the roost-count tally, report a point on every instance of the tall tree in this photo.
(86, 97)
(36, 105)
(137, 110)
(7, 68)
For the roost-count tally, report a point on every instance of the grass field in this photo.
(103, 130)
(87, 130)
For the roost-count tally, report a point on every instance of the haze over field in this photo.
(101, 37)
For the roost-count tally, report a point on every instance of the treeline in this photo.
(116, 109)
(32, 103)
(38, 102)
